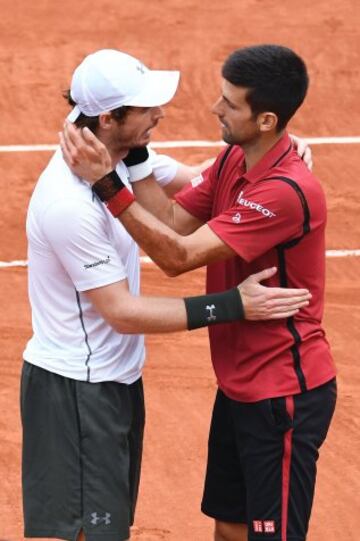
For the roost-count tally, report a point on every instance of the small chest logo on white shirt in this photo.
(141, 68)
(255, 206)
(97, 263)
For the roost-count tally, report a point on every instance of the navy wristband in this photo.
(214, 308)
(136, 156)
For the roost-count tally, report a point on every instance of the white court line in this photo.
(187, 144)
(147, 260)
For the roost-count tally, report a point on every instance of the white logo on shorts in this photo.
(264, 526)
(95, 519)
(269, 526)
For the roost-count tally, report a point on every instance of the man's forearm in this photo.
(164, 246)
(153, 198)
(174, 253)
(149, 315)
(129, 314)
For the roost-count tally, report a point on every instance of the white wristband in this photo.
(140, 171)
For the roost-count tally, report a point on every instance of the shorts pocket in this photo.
(280, 417)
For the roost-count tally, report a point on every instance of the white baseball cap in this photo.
(108, 79)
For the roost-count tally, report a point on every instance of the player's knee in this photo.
(81, 537)
(228, 531)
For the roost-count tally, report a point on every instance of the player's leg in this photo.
(51, 475)
(227, 531)
(112, 421)
(279, 440)
(224, 496)
(81, 537)
(313, 411)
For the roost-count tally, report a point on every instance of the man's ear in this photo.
(267, 121)
(105, 120)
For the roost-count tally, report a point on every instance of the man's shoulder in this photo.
(294, 190)
(296, 174)
(58, 183)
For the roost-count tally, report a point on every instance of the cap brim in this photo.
(74, 113)
(159, 89)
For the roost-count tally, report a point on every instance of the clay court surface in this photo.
(41, 43)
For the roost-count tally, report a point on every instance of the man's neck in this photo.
(116, 153)
(255, 150)
(118, 156)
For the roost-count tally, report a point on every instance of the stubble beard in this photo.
(243, 142)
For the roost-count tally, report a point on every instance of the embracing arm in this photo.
(90, 159)
(187, 173)
(128, 314)
(172, 252)
(184, 174)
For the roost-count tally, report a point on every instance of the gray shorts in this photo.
(82, 447)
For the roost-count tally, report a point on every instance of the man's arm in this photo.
(77, 155)
(89, 158)
(158, 200)
(192, 173)
(154, 199)
(184, 174)
(129, 314)
(172, 252)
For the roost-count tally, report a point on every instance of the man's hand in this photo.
(86, 156)
(303, 150)
(262, 302)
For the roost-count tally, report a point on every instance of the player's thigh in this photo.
(228, 531)
(224, 497)
(261, 430)
(50, 457)
(112, 421)
(279, 441)
(313, 412)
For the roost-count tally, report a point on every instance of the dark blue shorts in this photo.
(262, 461)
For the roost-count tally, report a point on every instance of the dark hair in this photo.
(92, 122)
(276, 77)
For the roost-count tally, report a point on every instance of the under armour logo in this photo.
(95, 519)
(211, 316)
(141, 68)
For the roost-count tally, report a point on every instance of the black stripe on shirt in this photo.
(85, 334)
(281, 251)
(282, 156)
(223, 160)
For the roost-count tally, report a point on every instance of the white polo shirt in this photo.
(74, 244)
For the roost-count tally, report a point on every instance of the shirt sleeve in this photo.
(266, 215)
(78, 234)
(197, 197)
(164, 167)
